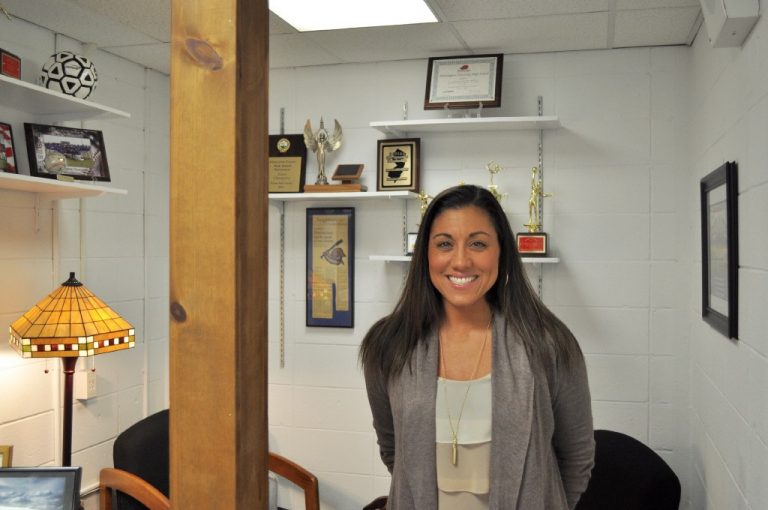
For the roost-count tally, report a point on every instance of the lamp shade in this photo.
(70, 322)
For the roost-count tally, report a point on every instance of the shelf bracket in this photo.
(540, 105)
(282, 285)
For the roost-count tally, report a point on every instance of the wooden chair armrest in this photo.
(298, 475)
(132, 485)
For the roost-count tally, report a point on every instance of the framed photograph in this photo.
(331, 267)
(7, 151)
(287, 163)
(55, 151)
(398, 165)
(410, 244)
(41, 488)
(6, 455)
(464, 82)
(10, 64)
(719, 250)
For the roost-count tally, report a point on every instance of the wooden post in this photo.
(218, 260)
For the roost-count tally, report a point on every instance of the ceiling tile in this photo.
(133, 28)
(654, 27)
(297, 50)
(389, 43)
(151, 17)
(537, 34)
(154, 56)
(76, 22)
(278, 26)
(457, 10)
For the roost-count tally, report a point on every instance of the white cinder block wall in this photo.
(616, 170)
(728, 380)
(117, 245)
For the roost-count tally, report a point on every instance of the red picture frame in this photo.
(7, 151)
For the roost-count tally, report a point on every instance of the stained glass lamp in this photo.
(70, 323)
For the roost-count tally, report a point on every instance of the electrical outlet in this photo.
(85, 384)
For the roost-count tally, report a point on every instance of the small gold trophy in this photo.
(494, 168)
(424, 198)
(534, 243)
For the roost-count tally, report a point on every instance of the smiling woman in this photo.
(451, 373)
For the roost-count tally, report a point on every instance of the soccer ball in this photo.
(71, 74)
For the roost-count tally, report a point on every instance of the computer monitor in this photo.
(40, 488)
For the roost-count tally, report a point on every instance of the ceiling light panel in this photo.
(310, 15)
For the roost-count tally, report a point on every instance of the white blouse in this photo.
(463, 486)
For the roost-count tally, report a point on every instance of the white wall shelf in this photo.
(347, 195)
(406, 127)
(407, 258)
(44, 103)
(55, 189)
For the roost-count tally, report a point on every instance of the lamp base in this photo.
(68, 364)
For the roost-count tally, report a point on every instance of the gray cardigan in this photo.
(542, 440)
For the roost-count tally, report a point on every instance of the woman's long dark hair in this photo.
(390, 342)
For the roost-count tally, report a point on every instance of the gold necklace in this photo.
(455, 431)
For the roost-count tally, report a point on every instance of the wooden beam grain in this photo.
(218, 263)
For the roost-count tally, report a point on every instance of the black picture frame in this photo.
(398, 164)
(331, 267)
(8, 162)
(467, 81)
(720, 249)
(44, 487)
(71, 152)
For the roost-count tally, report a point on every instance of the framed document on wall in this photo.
(464, 82)
(720, 250)
(330, 267)
(287, 163)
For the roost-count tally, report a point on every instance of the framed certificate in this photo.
(330, 266)
(719, 247)
(464, 82)
(287, 163)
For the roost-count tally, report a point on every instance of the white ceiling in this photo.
(139, 30)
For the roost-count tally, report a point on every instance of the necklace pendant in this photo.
(455, 451)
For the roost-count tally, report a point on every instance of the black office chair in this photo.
(143, 450)
(629, 476)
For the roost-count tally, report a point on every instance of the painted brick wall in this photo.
(118, 246)
(729, 407)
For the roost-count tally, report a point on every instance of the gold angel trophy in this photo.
(321, 143)
(534, 243)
